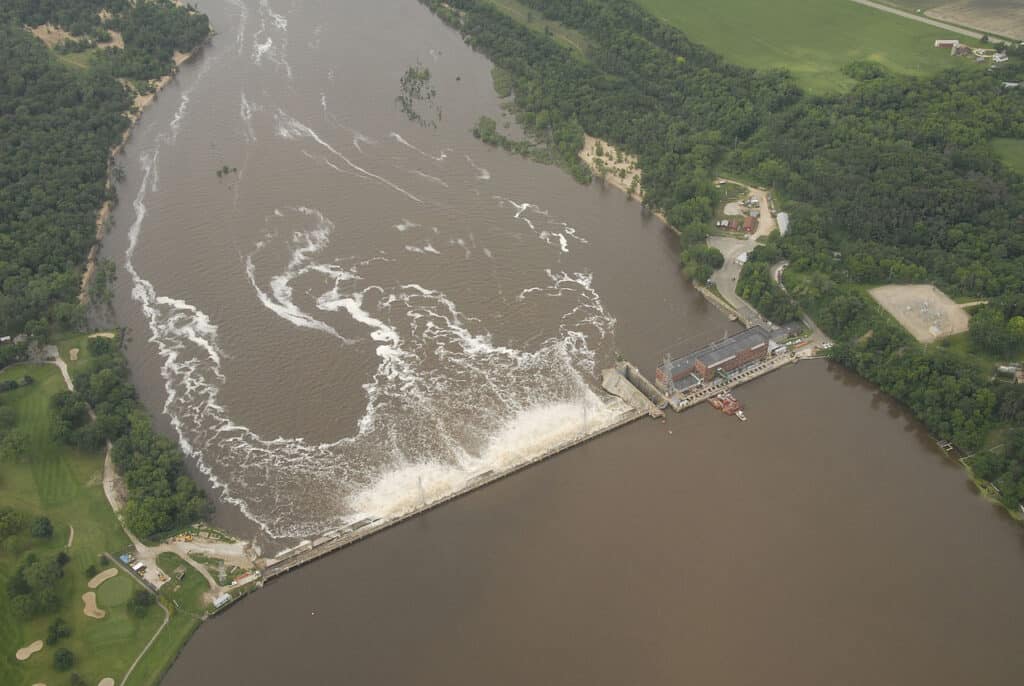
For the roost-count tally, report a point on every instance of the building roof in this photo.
(722, 351)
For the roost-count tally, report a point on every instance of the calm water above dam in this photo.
(371, 312)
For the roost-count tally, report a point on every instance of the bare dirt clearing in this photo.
(923, 310)
(1001, 17)
(615, 167)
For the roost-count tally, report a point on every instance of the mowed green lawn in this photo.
(65, 485)
(813, 39)
(1011, 152)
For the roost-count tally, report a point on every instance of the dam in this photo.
(624, 381)
(710, 371)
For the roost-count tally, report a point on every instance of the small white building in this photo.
(1000, 58)
(947, 43)
(741, 259)
(783, 220)
(221, 600)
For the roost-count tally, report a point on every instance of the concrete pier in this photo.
(641, 394)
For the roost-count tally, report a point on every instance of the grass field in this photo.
(65, 485)
(1011, 152)
(184, 600)
(813, 40)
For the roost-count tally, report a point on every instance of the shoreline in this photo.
(139, 105)
(630, 165)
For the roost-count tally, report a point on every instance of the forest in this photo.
(161, 497)
(58, 124)
(895, 181)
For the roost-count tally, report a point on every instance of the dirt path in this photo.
(917, 17)
(145, 649)
(71, 536)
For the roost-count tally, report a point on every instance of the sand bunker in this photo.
(90, 606)
(923, 310)
(29, 650)
(97, 580)
(73, 354)
(106, 681)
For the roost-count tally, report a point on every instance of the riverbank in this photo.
(139, 105)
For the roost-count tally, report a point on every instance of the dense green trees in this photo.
(57, 126)
(1004, 468)
(56, 130)
(892, 182)
(140, 602)
(998, 328)
(161, 496)
(31, 589)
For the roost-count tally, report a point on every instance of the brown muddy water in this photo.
(370, 312)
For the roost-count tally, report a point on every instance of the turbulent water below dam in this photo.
(366, 312)
(363, 317)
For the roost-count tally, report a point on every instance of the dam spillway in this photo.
(624, 378)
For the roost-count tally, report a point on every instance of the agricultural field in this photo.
(1000, 17)
(813, 40)
(1011, 152)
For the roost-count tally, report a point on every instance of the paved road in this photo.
(818, 337)
(922, 19)
(726, 277)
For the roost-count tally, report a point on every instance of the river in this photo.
(372, 310)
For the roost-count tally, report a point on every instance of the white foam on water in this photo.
(481, 173)
(428, 177)
(524, 401)
(428, 248)
(290, 128)
(304, 244)
(422, 434)
(264, 45)
(245, 111)
(243, 21)
(437, 158)
(552, 232)
(280, 21)
(358, 138)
